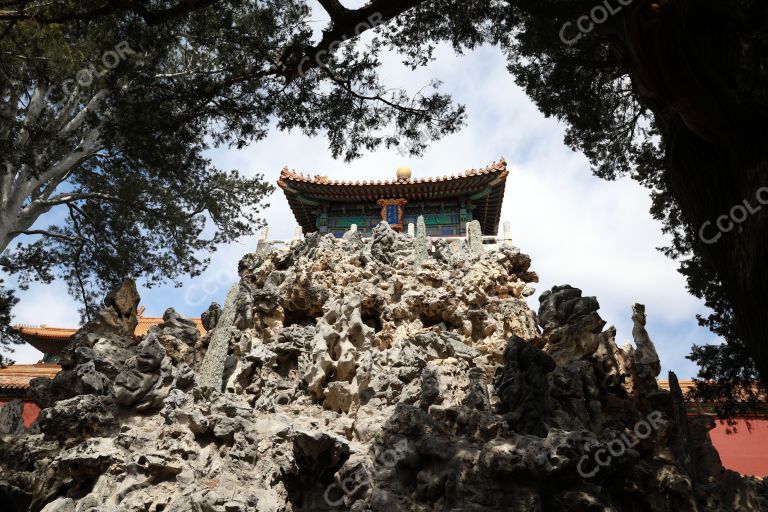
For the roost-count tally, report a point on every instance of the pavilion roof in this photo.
(305, 193)
(17, 376)
(52, 340)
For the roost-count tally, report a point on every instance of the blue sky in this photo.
(579, 230)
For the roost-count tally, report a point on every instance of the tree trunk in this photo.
(701, 65)
(5, 239)
(710, 188)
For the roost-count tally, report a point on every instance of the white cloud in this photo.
(46, 305)
(43, 305)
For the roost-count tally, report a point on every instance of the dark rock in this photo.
(41, 391)
(319, 453)
(521, 385)
(682, 441)
(185, 376)
(571, 324)
(430, 387)
(84, 415)
(11, 421)
(210, 317)
(382, 247)
(146, 378)
(477, 395)
(562, 305)
(118, 317)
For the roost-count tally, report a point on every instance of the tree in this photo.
(674, 94)
(670, 93)
(108, 109)
(8, 336)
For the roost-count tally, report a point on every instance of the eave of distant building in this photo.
(52, 340)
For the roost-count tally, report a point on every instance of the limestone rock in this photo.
(60, 505)
(475, 238)
(342, 375)
(179, 337)
(79, 416)
(383, 242)
(210, 316)
(420, 241)
(647, 365)
(108, 354)
(354, 240)
(571, 323)
(11, 421)
(119, 313)
(212, 372)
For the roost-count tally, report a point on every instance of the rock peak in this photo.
(393, 374)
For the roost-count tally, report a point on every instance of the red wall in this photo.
(744, 451)
(30, 413)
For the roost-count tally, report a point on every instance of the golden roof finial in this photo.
(404, 173)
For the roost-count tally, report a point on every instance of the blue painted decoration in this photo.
(393, 214)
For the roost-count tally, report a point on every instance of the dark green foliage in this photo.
(8, 336)
(728, 381)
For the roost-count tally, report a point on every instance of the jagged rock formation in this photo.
(11, 420)
(212, 370)
(368, 376)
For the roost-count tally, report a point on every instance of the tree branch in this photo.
(77, 258)
(335, 10)
(345, 85)
(346, 24)
(69, 198)
(94, 224)
(51, 234)
(34, 109)
(85, 150)
(79, 119)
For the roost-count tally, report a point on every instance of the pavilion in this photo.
(447, 203)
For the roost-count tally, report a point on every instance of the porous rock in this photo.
(11, 420)
(349, 377)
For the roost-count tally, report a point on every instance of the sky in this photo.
(578, 229)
